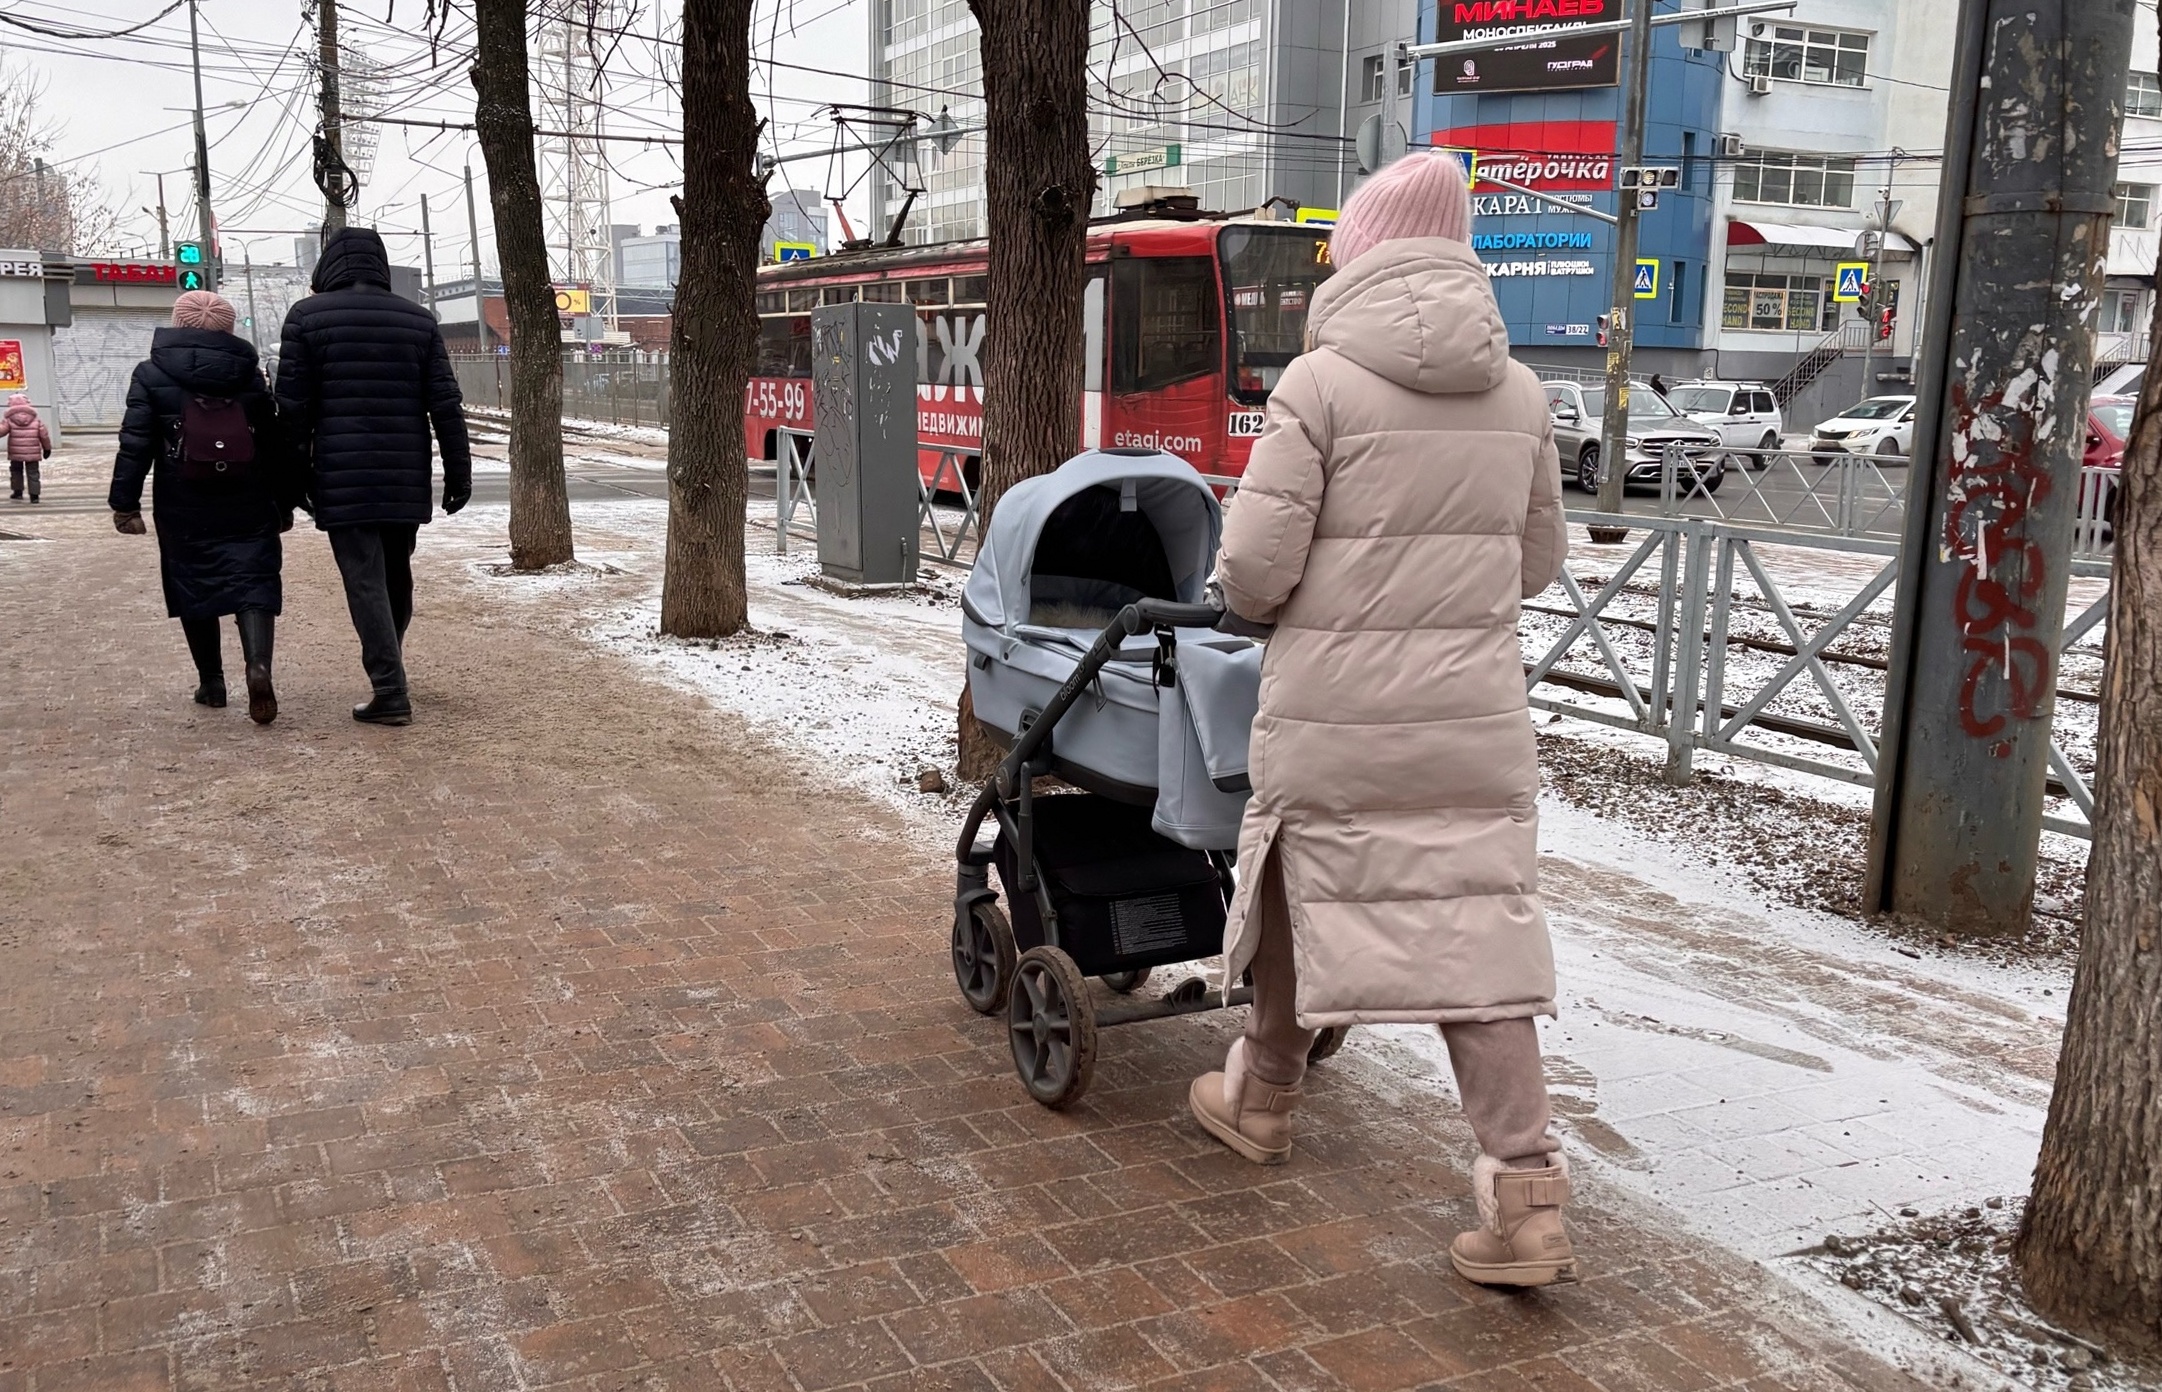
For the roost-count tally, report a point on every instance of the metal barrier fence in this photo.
(1693, 638)
(1839, 494)
(620, 388)
(1717, 656)
(793, 494)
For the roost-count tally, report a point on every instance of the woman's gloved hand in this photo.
(129, 523)
(1231, 623)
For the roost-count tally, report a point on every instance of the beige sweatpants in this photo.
(1498, 1075)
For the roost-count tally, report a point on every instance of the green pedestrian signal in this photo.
(189, 253)
(193, 280)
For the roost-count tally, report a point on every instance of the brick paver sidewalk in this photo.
(569, 1038)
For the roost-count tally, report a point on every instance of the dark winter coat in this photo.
(361, 374)
(217, 545)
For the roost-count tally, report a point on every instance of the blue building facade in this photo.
(1553, 272)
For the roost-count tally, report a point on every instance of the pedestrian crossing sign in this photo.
(1852, 282)
(1647, 281)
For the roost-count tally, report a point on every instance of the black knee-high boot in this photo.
(257, 627)
(209, 665)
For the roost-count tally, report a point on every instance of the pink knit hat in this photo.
(203, 309)
(1421, 195)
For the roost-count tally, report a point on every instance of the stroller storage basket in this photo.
(1125, 897)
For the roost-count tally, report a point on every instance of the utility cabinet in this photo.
(863, 384)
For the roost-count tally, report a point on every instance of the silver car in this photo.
(1576, 408)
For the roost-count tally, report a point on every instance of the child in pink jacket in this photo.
(29, 443)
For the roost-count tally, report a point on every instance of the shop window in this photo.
(2121, 312)
(1773, 302)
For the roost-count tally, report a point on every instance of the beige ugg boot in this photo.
(1520, 1242)
(1249, 1114)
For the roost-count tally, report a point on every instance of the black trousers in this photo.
(377, 564)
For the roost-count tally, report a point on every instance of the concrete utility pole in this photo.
(2030, 154)
(480, 298)
(207, 224)
(247, 272)
(427, 255)
(165, 240)
(1621, 330)
(326, 58)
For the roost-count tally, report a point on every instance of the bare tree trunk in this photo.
(713, 342)
(2090, 1246)
(540, 510)
(1039, 183)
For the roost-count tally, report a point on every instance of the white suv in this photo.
(1744, 414)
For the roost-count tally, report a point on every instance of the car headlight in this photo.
(1636, 442)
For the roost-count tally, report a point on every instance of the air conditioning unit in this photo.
(1760, 85)
(1728, 145)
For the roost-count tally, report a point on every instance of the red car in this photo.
(2109, 425)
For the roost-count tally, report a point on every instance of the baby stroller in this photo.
(1133, 870)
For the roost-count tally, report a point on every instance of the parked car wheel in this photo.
(1766, 448)
(1890, 450)
(1587, 469)
(1711, 478)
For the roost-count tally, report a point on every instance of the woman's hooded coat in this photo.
(1403, 498)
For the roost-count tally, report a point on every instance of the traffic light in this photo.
(1884, 325)
(194, 266)
(1604, 319)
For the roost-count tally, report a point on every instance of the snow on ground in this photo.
(1769, 1072)
(864, 688)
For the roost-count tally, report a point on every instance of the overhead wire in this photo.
(71, 33)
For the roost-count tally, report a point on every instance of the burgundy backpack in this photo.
(216, 443)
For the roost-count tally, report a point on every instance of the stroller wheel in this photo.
(1125, 982)
(983, 956)
(1326, 1042)
(1052, 1026)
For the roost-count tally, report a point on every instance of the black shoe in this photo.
(211, 694)
(391, 709)
(257, 629)
(262, 700)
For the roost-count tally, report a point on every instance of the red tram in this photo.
(1187, 325)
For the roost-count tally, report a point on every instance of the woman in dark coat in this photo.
(220, 501)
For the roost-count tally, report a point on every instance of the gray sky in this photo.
(120, 108)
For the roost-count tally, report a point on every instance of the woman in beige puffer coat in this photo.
(1404, 497)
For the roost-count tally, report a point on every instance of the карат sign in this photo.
(1550, 59)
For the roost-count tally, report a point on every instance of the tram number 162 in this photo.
(788, 401)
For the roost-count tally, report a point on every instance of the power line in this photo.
(60, 33)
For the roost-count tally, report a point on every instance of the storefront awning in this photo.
(1807, 240)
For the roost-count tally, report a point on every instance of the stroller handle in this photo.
(1150, 613)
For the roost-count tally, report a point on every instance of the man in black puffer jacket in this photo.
(361, 374)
